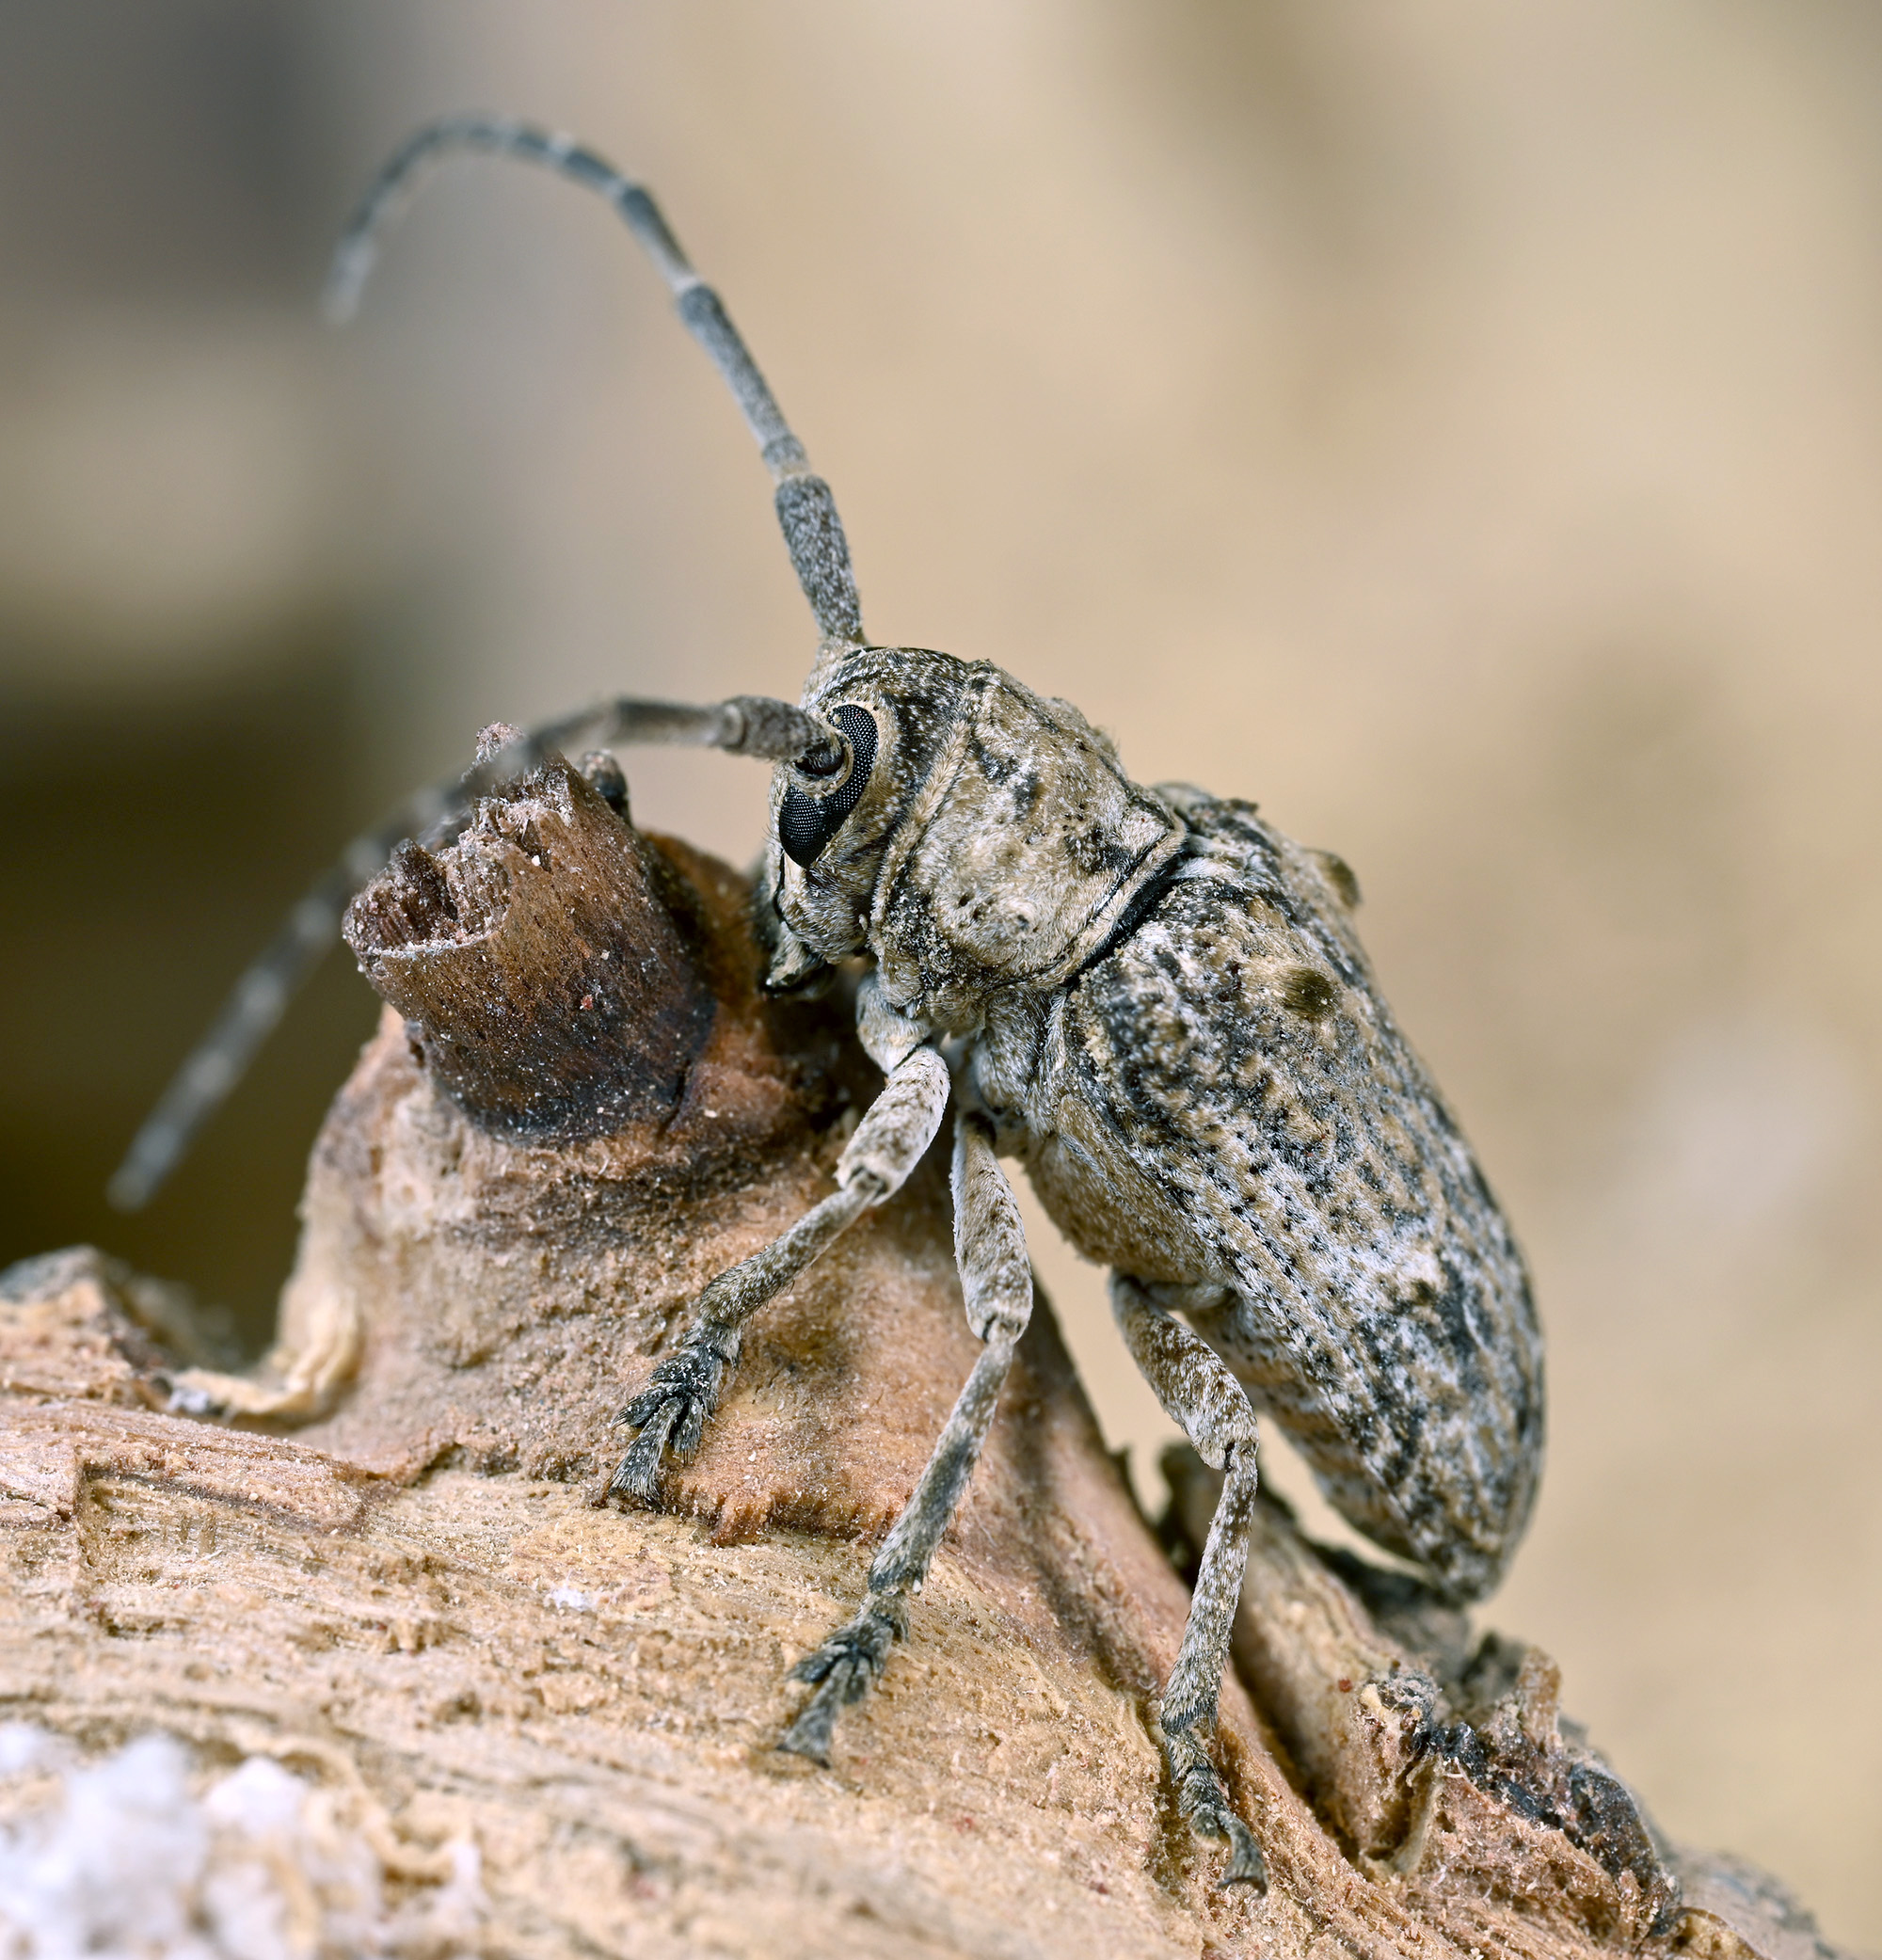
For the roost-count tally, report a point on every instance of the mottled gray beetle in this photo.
(1148, 995)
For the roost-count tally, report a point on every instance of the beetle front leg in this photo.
(1197, 1390)
(672, 1411)
(996, 1282)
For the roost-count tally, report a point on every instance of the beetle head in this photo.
(832, 830)
(975, 835)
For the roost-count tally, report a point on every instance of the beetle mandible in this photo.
(1148, 995)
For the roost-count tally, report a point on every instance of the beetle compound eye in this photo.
(807, 823)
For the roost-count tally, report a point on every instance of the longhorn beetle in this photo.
(1149, 997)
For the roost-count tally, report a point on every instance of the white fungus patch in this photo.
(137, 1857)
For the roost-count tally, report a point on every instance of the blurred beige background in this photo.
(1457, 425)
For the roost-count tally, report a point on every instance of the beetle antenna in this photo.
(751, 724)
(806, 511)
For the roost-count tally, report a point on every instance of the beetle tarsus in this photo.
(844, 1669)
(671, 1412)
(1246, 1865)
(1202, 1799)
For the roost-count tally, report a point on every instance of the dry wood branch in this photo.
(416, 1600)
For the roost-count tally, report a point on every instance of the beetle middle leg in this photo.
(672, 1411)
(1197, 1390)
(997, 1284)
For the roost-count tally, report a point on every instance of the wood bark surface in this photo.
(381, 1558)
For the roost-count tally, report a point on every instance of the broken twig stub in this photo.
(542, 962)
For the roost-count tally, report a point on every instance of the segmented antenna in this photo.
(750, 726)
(259, 998)
(807, 511)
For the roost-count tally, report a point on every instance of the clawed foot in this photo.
(1205, 1803)
(671, 1412)
(844, 1668)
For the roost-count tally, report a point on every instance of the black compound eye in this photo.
(807, 823)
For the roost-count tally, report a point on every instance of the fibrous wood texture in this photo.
(415, 1600)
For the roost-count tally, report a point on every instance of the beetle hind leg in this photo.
(1200, 1394)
